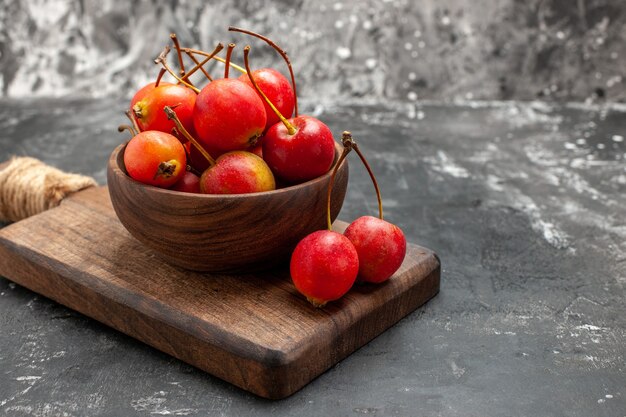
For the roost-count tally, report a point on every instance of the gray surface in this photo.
(524, 203)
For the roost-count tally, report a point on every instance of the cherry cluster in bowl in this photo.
(236, 135)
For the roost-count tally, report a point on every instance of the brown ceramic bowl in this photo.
(222, 233)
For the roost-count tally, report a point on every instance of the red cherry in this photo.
(277, 89)
(297, 149)
(302, 156)
(381, 247)
(155, 158)
(237, 172)
(324, 266)
(189, 183)
(149, 110)
(228, 115)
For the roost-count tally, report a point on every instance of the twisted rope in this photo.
(28, 187)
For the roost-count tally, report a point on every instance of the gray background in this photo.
(436, 49)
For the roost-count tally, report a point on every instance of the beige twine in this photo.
(28, 187)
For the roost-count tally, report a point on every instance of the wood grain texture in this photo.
(223, 233)
(254, 331)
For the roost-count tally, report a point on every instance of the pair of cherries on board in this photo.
(326, 264)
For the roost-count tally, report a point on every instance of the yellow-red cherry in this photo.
(155, 158)
(149, 109)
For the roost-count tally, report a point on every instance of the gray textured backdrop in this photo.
(434, 49)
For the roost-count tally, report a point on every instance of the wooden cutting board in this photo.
(254, 331)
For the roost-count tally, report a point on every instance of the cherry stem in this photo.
(281, 52)
(133, 121)
(162, 72)
(161, 59)
(347, 147)
(122, 128)
(200, 65)
(171, 115)
(213, 56)
(229, 52)
(290, 128)
(179, 54)
(369, 171)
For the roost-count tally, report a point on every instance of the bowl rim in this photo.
(117, 170)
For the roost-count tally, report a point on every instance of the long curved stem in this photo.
(369, 171)
(171, 114)
(290, 128)
(344, 153)
(281, 52)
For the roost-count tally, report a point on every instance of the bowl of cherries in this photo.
(227, 178)
(230, 178)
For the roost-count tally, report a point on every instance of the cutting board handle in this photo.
(29, 186)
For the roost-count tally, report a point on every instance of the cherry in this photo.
(235, 172)
(228, 115)
(381, 245)
(300, 156)
(149, 110)
(298, 149)
(277, 89)
(155, 158)
(189, 183)
(325, 264)
(143, 91)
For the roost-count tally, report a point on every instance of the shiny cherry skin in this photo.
(324, 266)
(300, 157)
(228, 115)
(143, 91)
(155, 158)
(277, 89)
(149, 110)
(381, 247)
(237, 172)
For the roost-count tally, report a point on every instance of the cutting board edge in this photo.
(409, 300)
